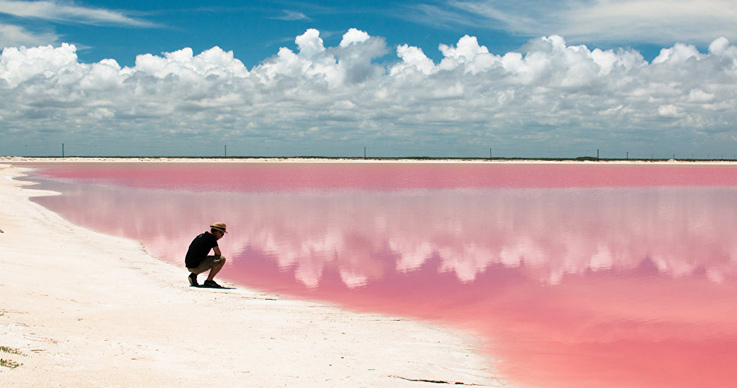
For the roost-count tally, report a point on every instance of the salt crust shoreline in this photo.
(91, 310)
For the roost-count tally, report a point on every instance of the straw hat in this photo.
(218, 226)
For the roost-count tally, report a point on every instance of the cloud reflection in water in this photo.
(603, 287)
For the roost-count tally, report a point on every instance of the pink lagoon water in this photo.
(580, 275)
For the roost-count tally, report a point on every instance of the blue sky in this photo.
(401, 78)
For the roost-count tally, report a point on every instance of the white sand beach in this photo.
(91, 310)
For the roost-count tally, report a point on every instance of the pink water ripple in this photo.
(390, 176)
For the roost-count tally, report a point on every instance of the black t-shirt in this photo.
(199, 248)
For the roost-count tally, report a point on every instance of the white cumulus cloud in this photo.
(553, 96)
(354, 36)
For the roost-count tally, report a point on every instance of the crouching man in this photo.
(197, 259)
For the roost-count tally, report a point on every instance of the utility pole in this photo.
(226, 151)
(62, 150)
(364, 152)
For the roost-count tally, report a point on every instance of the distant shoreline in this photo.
(327, 159)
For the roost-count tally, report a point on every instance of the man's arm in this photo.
(217, 251)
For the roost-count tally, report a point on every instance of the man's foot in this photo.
(193, 280)
(211, 284)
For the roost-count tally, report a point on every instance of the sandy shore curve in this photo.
(90, 310)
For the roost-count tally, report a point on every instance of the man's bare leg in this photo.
(214, 271)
